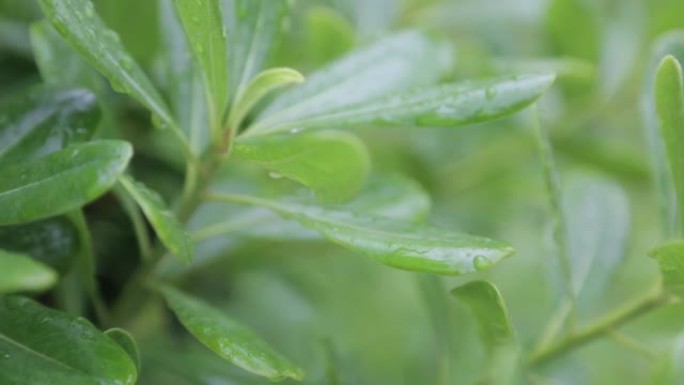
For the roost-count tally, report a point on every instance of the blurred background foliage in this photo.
(349, 320)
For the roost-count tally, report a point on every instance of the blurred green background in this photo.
(347, 319)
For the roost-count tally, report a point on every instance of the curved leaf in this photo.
(401, 245)
(170, 231)
(669, 104)
(333, 164)
(228, 338)
(127, 343)
(45, 120)
(21, 273)
(447, 105)
(39, 346)
(73, 176)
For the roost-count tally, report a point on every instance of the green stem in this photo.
(137, 220)
(600, 328)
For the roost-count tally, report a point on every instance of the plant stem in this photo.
(600, 328)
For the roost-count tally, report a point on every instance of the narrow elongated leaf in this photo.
(447, 105)
(669, 103)
(597, 215)
(170, 231)
(486, 304)
(21, 273)
(45, 120)
(670, 257)
(264, 83)
(401, 245)
(127, 343)
(39, 345)
(333, 164)
(78, 23)
(228, 338)
(206, 36)
(253, 26)
(391, 65)
(73, 177)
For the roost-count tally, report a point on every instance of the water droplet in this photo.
(127, 63)
(275, 175)
(481, 263)
(199, 48)
(159, 123)
(89, 9)
(295, 130)
(490, 93)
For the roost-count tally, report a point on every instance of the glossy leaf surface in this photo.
(228, 338)
(447, 105)
(40, 346)
(21, 273)
(45, 120)
(73, 176)
(333, 164)
(170, 231)
(402, 245)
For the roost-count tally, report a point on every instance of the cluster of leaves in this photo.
(274, 190)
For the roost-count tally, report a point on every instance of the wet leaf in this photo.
(73, 176)
(39, 345)
(21, 273)
(228, 338)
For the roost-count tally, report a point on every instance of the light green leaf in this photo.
(670, 257)
(228, 338)
(127, 343)
(74, 177)
(206, 36)
(401, 245)
(333, 164)
(447, 105)
(485, 302)
(170, 231)
(669, 103)
(78, 23)
(45, 120)
(21, 273)
(262, 84)
(253, 26)
(329, 35)
(568, 40)
(388, 66)
(39, 345)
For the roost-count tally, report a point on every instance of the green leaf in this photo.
(170, 231)
(253, 26)
(21, 273)
(598, 219)
(79, 24)
(39, 345)
(333, 164)
(206, 36)
(329, 35)
(74, 177)
(568, 40)
(485, 302)
(45, 120)
(228, 338)
(402, 245)
(394, 64)
(262, 84)
(447, 105)
(669, 103)
(670, 257)
(127, 343)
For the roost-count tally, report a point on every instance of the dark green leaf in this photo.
(170, 231)
(127, 343)
(669, 103)
(73, 176)
(391, 65)
(333, 164)
(21, 273)
(447, 105)
(485, 302)
(670, 257)
(207, 39)
(228, 338)
(39, 345)
(401, 245)
(45, 120)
